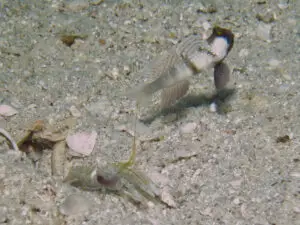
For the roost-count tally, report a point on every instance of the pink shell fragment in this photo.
(6, 110)
(82, 143)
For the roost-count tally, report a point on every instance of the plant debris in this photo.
(69, 39)
(38, 137)
(283, 139)
(41, 136)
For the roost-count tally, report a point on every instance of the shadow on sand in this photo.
(221, 98)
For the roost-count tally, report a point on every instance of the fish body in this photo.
(190, 57)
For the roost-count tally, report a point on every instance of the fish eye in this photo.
(102, 180)
(106, 182)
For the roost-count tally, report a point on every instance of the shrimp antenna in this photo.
(131, 159)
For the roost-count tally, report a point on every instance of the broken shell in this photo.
(6, 110)
(82, 143)
(58, 158)
(74, 111)
(167, 198)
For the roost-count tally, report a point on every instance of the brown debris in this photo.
(283, 139)
(69, 39)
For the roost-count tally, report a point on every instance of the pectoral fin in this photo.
(160, 68)
(173, 93)
(221, 75)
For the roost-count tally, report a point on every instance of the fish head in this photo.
(221, 41)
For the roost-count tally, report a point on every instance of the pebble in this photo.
(236, 183)
(74, 111)
(243, 53)
(188, 128)
(115, 73)
(3, 214)
(126, 69)
(283, 4)
(103, 108)
(206, 25)
(75, 204)
(295, 175)
(263, 32)
(159, 178)
(167, 198)
(267, 17)
(286, 76)
(274, 64)
(32, 106)
(236, 201)
(206, 7)
(207, 211)
(77, 5)
(297, 209)
(213, 107)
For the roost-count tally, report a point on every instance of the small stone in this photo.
(75, 204)
(3, 214)
(207, 7)
(296, 209)
(102, 108)
(213, 107)
(207, 212)
(286, 76)
(77, 5)
(43, 85)
(244, 211)
(243, 53)
(96, 2)
(295, 174)
(267, 17)
(236, 183)
(74, 111)
(167, 198)
(115, 73)
(274, 64)
(206, 25)
(159, 178)
(126, 69)
(283, 4)
(236, 201)
(188, 128)
(32, 106)
(263, 32)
